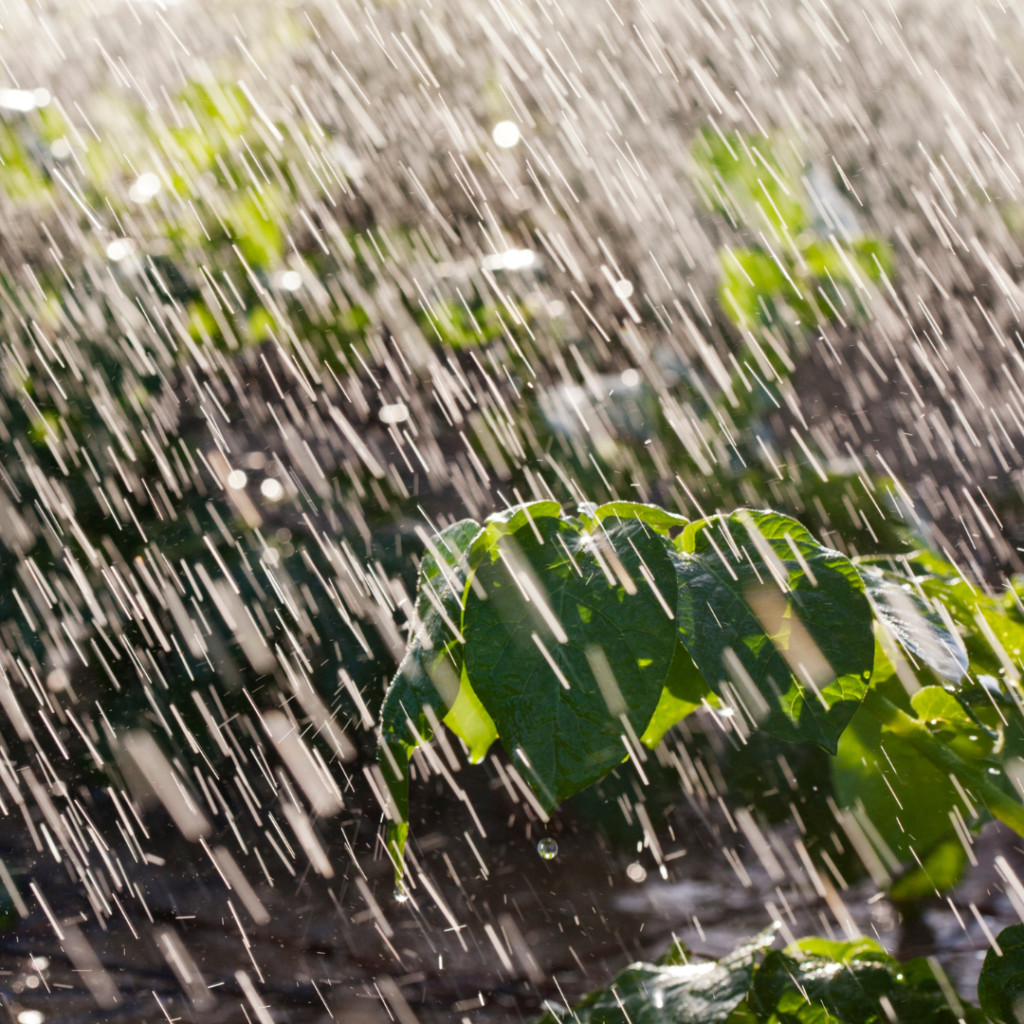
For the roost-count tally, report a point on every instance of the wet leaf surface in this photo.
(567, 646)
(776, 624)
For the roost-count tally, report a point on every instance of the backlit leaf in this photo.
(777, 624)
(569, 638)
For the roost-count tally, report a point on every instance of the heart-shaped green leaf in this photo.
(569, 637)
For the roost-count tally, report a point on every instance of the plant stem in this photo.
(1002, 806)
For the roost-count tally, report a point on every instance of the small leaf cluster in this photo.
(967, 700)
(808, 266)
(812, 981)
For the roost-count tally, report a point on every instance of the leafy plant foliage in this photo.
(575, 639)
(811, 262)
(813, 981)
(674, 990)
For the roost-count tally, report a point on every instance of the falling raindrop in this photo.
(119, 249)
(395, 413)
(275, 316)
(289, 281)
(23, 100)
(144, 188)
(271, 489)
(511, 259)
(505, 134)
(636, 872)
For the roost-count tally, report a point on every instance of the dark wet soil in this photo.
(492, 930)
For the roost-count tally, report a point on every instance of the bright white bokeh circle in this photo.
(505, 134)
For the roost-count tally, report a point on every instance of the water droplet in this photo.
(547, 848)
(23, 100)
(396, 413)
(511, 259)
(289, 280)
(145, 187)
(119, 249)
(271, 489)
(505, 134)
(636, 872)
(401, 894)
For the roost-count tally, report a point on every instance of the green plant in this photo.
(811, 981)
(806, 265)
(579, 640)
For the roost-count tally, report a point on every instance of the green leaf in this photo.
(992, 635)
(671, 993)
(501, 524)
(933, 704)
(813, 981)
(427, 684)
(568, 643)
(254, 228)
(777, 624)
(751, 286)
(469, 720)
(658, 519)
(754, 183)
(947, 718)
(906, 799)
(873, 256)
(429, 674)
(861, 948)
(444, 555)
(918, 628)
(866, 987)
(1001, 985)
(940, 870)
(684, 691)
(20, 177)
